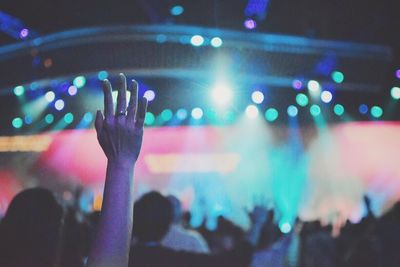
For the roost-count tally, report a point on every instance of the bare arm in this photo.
(120, 137)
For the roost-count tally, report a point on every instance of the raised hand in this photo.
(120, 135)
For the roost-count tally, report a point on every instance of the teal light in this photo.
(88, 117)
(271, 114)
(102, 75)
(19, 90)
(292, 111)
(149, 118)
(176, 10)
(181, 114)
(166, 114)
(49, 118)
(337, 77)
(395, 93)
(79, 81)
(69, 118)
(302, 100)
(338, 109)
(17, 122)
(315, 110)
(376, 111)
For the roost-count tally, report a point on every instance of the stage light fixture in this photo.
(338, 109)
(250, 24)
(176, 10)
(313, 86)
(216, 42)
(271, 114)
(257, 97)
(297, 84)
(101, 75)
(19, 90)
(17, 122)
(302, 100)
(72, 90)
(292, 111)
(326, 96)
(59, 104)
(197, 40)
(251, 111)
(285, 228)
(197, 113)
(221, 94)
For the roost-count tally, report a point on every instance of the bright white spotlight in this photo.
(50, 96)
(197, 113)
(197, 40)
(216, 42)
(251, 111)
(326, 96)
(313, 86)
(257, 97)
(221, 94)
(150, 95)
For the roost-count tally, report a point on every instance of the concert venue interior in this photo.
(289, 104)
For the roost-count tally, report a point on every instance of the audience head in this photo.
(31, 229)
(176, 209)
(152, 217)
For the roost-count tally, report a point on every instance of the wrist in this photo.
(121, 163)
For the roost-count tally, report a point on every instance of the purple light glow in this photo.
(250, 24)
(398, 74)
(24, 33)
(297, 84)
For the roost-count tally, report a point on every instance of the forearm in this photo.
(112, 241)
(253, 235)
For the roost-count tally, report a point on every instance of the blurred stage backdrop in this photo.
(236, 118)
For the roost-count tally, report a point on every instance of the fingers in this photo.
(98, 123)
(133, 102)
(108, 102)
(121, 99)
(141, 112)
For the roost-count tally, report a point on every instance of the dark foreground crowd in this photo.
(39, 231)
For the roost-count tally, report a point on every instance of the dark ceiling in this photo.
(356, 20)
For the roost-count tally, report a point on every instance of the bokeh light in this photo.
(363, 109)
(59, 104)
(250, 24)
(197, 40)
(181, 114)
(88, 117)
(292, 111)
(28, 119)
(24, 33)
(19, 90)
(166, 115)
(297, 84)
(101, 75)
(49, 118)
(221, 94)
(72, 90)
(197, 113)
(302, 100)
(398, 74)
(376, 112)
(17, 122)
(315, 110)
(337, 76)
(149, 118)
(257, 97)
(271, 114)
(216, 42)
(285, 228)
(79, 81)
(251, 111)
(176, 10)
(395, 93)
(68, 118)
(313, 86)
(338, 109)
(326, 96)
(50, 96)
(149, 95)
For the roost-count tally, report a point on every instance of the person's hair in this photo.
(30, 232)
(176, 208)
(152, 217)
